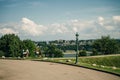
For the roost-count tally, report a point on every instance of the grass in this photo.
(106, 61)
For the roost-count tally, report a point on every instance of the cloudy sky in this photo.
(60, 19)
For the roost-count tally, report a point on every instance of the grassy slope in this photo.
(106, 63)
(104, 60)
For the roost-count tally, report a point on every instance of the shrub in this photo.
(53, 51)
(58, 53)
(94, 52)
(82, 53)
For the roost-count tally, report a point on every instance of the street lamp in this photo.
(76, 48)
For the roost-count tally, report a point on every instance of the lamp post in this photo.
(76, 48)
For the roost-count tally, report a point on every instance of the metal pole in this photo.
(76, 48)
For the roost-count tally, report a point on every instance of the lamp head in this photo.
(77, 34)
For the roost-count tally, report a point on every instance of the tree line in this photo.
(12, 46)
(103, 46)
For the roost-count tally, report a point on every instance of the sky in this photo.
(41, 20)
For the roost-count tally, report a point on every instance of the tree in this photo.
(106, 45)
(28, 44)
(10, 45)
(52, 51)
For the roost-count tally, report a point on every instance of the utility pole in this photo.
(76, 48)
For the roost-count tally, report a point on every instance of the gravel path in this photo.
(33, 70)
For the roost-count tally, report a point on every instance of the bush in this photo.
(94, 52)
(58, 53)
(82, 53)
(52, 51)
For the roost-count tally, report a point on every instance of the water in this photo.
(70, 55)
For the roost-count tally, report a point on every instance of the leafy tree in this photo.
(106, 45)
(52, 51)
(10, 45)
(28, 44)
(43, 44)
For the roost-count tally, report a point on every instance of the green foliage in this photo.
(43, 44)
(82, 53)
(2, 53)
(28, 44)
(94, 52)
(52, 51)
(106, 45)
(10, 45)
(103, 60)
(58, 53)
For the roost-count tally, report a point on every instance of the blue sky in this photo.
(56, 19)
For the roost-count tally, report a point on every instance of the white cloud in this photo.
(7, 31)
(58, 28)
(31, 28)
(77, 23)
(116, 18)
(101, 20)
(75, 29)
(87, 29)
(105, 25)
(74, 21)
(109, 28)
(81, 26)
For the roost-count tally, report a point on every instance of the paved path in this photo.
(33, 70)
